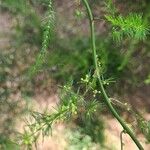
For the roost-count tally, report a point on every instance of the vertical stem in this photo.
(106, 99)
(121, 140)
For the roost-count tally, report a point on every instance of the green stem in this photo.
(106, 99)
(121, 139)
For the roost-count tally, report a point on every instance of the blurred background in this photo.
(70, 57)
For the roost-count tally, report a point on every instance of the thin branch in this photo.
(121, 139)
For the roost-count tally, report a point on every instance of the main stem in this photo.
(106, 99)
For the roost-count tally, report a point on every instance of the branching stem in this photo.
(106, 98)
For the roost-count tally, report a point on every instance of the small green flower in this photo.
(79, 14)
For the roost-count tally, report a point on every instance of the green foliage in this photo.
(144, 127)
(27, 139)
(91, 107)
(79, 14)
(131, 26)
(76, 60)
(78, 140)
(76, 52)
(93, 127)
(147, 81)
(6, 144)
(72, 105)
(46, 39)
(28, 25)
(15, 5)
(110, 7)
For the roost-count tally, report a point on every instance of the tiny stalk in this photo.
(106, 98)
